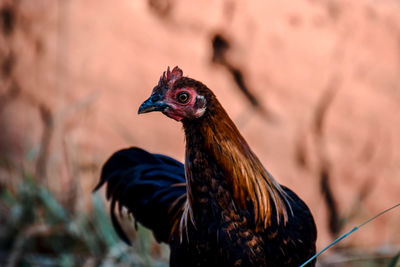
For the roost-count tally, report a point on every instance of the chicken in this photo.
(222, 207)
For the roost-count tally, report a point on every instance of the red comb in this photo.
(169, 77)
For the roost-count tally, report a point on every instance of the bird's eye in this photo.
(182, 97)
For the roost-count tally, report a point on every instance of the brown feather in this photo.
(249, 180)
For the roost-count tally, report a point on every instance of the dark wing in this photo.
(293, 241)
(152, 187)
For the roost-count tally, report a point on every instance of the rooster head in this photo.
(177, 97)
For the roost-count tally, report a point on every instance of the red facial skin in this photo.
(178, 111)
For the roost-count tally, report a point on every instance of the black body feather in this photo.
(151, 186)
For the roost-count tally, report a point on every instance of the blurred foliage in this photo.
(36, 230)
(395, 261)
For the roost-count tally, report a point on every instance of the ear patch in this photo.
(200, 106)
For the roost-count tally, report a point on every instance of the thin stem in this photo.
(348, 233)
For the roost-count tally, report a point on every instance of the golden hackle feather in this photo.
(249, 180)
(248, 176)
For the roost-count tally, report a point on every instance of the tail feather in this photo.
(151, 186)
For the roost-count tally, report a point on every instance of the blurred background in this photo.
(314, 87)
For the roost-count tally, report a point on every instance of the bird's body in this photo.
(222, 208)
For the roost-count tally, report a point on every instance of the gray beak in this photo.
(152, 104)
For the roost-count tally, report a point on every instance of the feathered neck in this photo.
(217, 137)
